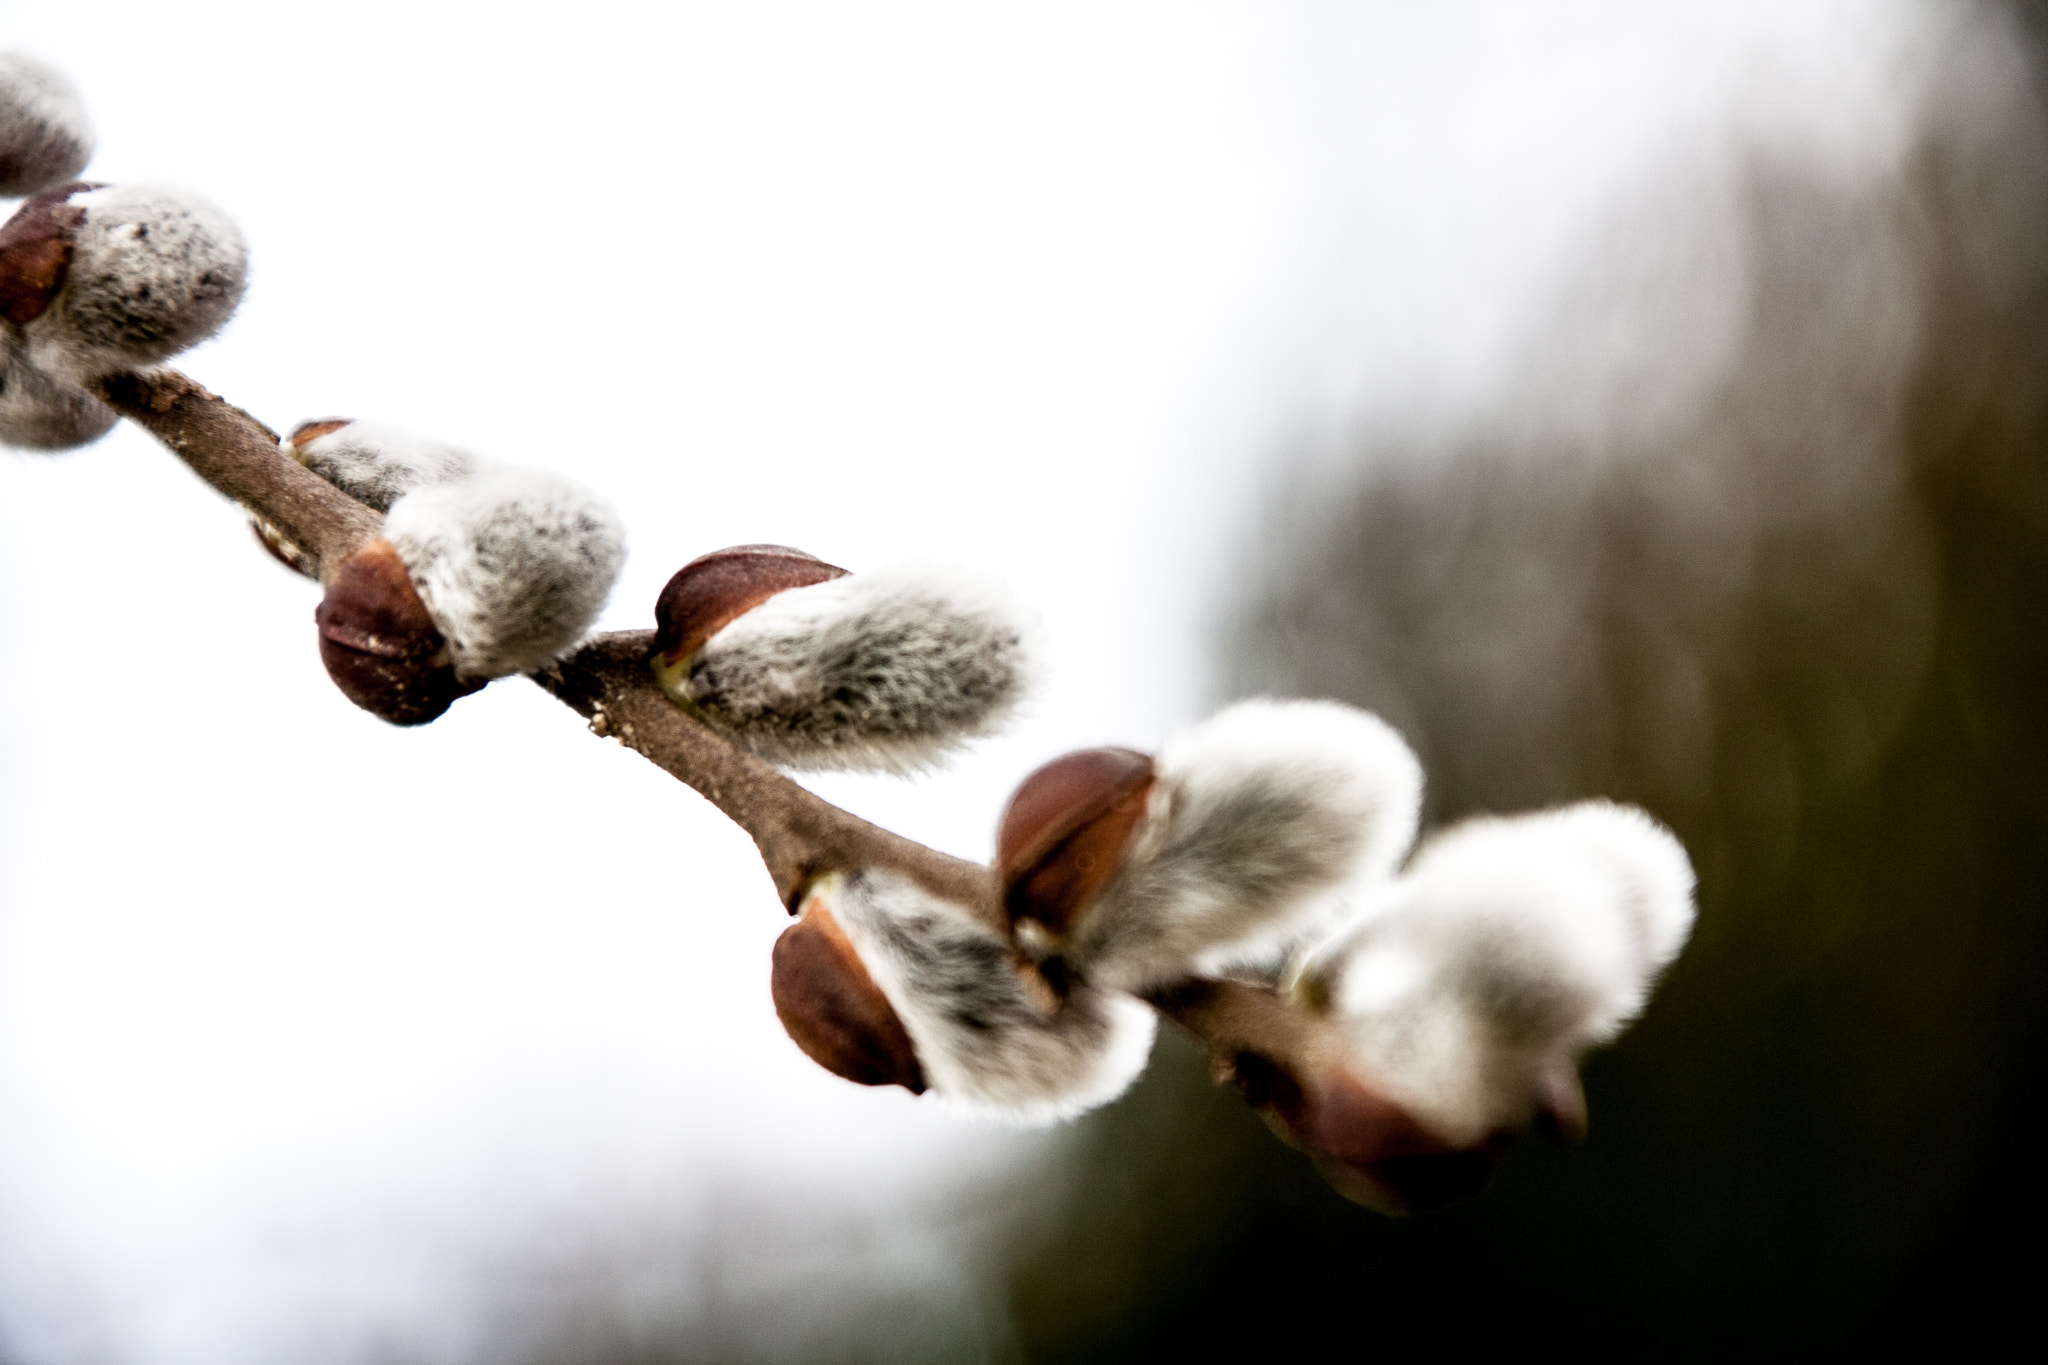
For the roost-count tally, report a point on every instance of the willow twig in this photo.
(800, 835)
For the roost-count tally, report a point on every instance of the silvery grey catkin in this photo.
(45, 136)
(39, 413)
(377, 464)
(885, 670)
(513, 565)
(984, 1041)
(153, 272)
(1471, 986)
(372, 462)
(95, 279)
(1258, 815)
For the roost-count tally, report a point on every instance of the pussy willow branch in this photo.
(799, 834)
(239, 456)
(608, 683)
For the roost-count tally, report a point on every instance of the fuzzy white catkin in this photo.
(513, 565)
(1474, 982)
(1257, 815)
(45, 136)
(983, 1041)
(153, 272)
(377, 464)
(884, 670)
(38, 413)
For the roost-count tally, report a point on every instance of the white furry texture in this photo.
(1258, 815)
(378, 464)
(39, 413)
(983, 1042)
(45, 136)
(1473, 983)
(513, 564)
(153, 272)
(884, 670)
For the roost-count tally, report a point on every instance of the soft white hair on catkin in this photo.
(45, 136)
(1473, 982)
(377, 464)
(513, 564)
(153, 272)
(38, 413)
(884, 670)
(983, 1041)
(1258, 814)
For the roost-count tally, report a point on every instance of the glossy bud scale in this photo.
(1370, 1148)
(831, 1007)
(712, 591)
(35, 251)
(379, 644)
(1064, 833)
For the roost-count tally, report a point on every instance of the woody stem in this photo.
(608, 682)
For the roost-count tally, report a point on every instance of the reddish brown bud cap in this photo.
(380, 645)
(713, 590)
(35, 251)
(832, 1008)
(307, 432)
(1370, 1148)
(1064, 833)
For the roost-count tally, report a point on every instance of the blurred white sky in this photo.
(304, 1020)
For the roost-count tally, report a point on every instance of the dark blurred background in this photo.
(1760, 541)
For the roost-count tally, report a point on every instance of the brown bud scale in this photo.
(712, 591)
(1370, 1148)
(380, 645)
(833, 1010)
(305, 433)
(35, 251)
(1064, 833)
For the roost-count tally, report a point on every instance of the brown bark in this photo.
(800, 835)
(238, 455)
